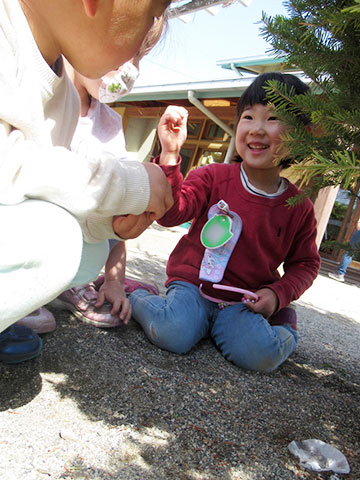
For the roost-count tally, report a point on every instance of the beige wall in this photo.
(139, 135)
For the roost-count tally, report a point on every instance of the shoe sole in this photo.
(46, 328)
(21, 358)
(337, 279)
(57, 303)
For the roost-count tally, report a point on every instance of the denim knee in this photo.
(265, 359)
(175, 323)
(250, 342)
(170, 335)
(266, 356)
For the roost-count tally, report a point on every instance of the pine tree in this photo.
(322, 38)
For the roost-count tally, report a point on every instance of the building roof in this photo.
(258, 64)
(204, 89)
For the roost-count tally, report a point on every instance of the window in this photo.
(194, 129)
(214, 131)
(186, 158)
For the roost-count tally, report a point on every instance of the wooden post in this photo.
(323, 206)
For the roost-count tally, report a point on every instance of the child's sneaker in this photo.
(81, 302)
(285, 316)
(131, 285)
(41, 321)
(18, 344)
(337, 276)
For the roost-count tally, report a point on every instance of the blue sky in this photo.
(189, 51)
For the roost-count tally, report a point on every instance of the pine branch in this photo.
(354, 8)
(322, 37)
(351, 249)
(341, 168)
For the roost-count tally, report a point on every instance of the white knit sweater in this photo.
(38, 115)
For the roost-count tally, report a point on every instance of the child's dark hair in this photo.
(256, 93)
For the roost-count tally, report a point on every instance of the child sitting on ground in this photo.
(61, 203)
(223, 278)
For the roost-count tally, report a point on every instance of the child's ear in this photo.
(90, 7)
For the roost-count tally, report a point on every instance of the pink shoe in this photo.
(81, 302)
(41, 321)
(131, 285)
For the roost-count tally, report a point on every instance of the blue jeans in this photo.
(181, 319)
(346, 259)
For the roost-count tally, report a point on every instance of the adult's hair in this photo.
(156, 32)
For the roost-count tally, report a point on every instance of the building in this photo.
(211, 105)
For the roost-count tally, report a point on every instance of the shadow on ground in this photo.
(108, 404)
(210, 418)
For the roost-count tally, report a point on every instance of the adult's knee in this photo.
(56, 243)
(39, 255)
(40, 235)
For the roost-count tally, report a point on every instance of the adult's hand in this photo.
(131, 226)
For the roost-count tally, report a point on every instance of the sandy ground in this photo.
(106, 404)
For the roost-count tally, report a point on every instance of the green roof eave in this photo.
(141, 97)
(257, 64)
(206, 89)
(225, 88)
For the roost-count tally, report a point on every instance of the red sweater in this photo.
(272, 233)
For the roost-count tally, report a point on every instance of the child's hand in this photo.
(113, 292)
(161, 198)
(266, 304)
(131, 226)
(172, 133)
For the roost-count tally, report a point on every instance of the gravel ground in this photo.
(106, 404)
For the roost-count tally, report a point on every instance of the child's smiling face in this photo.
(258, 137)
